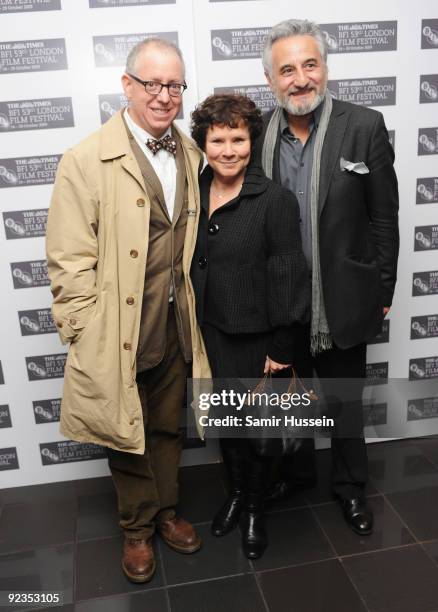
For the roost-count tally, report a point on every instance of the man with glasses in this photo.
(120, 236)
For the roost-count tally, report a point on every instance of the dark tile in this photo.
(237, 593)
(97, 516)
(400, 467)
(388, 530)
(92, 486)
(201, 492)
(30, 524)
(321, 493)
(99, 572)
(432, 550)
(399, 580)
(294, 538)
(154, 600)
(429, 447)
(315, 587)
(418, 509)
(45, 569)
(45, 493)
(217, 557)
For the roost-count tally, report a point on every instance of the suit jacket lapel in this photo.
(331, 150)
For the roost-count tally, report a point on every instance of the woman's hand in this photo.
(272, 366)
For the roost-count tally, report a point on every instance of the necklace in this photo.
(223, 194)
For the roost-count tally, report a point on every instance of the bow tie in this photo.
(166, 143)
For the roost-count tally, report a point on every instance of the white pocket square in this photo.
(358, 167)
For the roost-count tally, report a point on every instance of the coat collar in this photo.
(254, 183)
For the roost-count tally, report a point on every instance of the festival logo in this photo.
(427, 190)
(112, 50)
(33, 55)
(380, 91)
(424, 326)
(26, 171)
(53, 453)
(25, 223)
(43, 367)
(5, 417)
(238, 44)
(35, 322)
(8, 459)
(27, 274)
(428, 141)
(44, 114)
(261, 95)
(425, 283)
(423, 408)
(377, 373)
(47, 411)
(422, 368)
(429, 34)
(428, 88)
(426, 238)
(360, 36)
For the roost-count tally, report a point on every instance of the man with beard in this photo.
(337, 159)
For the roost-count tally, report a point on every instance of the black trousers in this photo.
(349, 456)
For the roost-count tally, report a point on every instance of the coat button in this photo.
(213, 229)
(127, 346)
(202, 262)
(140, 202)
(133, 253)
(59, 324)
(130, 300)
(72, 321)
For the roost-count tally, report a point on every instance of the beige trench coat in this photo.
(98, 215)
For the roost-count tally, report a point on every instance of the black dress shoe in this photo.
(254, 538)
(357, 515)
(228, 516)
(284, 489)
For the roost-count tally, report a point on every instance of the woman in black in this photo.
(251, 285)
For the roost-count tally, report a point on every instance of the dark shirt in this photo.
(296, 161)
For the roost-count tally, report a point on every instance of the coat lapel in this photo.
(180, 177)
(331, 150)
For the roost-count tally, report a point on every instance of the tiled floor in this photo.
(64, 537)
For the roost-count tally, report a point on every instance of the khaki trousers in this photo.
(146, 485)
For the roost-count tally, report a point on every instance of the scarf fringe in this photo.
(322, 341)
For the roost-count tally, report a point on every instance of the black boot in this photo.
(228, 516)
(254, 538)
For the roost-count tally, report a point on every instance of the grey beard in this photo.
(302, 109)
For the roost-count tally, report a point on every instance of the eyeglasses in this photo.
(153, 87)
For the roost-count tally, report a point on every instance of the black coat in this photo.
(248, 269)
(358, 231)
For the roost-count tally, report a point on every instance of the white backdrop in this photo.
(60, 67)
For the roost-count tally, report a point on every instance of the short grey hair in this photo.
(288, 28)
(141, 46)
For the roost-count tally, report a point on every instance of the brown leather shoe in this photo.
(180, 535)
(138, 561)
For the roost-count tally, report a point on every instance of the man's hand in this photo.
(272, 366)
(386, 310)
